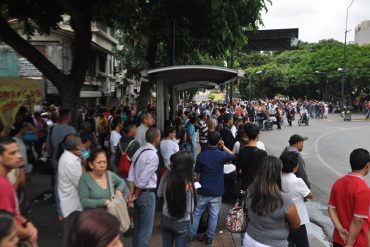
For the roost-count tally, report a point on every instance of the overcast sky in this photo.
(316, 19)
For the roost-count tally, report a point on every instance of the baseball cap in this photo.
(297, 138)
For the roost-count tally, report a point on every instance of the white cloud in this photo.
(316, 19)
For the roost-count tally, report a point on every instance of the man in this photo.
(349, 203)
(143, 182)
(296, 143)
(115, 136)
(10, 158)
(69, 173)
(209, 168)
(127, 142)
(250, 156)
(147, 121)
(203, 130)
(235, 126)
(56, 136)
(226, 134)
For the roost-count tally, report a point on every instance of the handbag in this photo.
(118, 207)
(237, 219)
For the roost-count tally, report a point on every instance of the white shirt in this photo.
(69, 173)
(143, 171)
(236, 147)
(168, 147)
(297, 190)
(234, 130)
(140, 134)
(114, 139)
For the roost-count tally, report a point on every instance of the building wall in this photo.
(362, 33)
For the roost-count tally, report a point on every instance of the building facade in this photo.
(362, 33)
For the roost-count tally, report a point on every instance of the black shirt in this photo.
(250, 159)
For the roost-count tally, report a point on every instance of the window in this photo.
(102, 63)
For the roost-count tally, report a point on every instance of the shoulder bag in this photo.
(118, 206)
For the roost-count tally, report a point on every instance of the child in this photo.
(298, 191)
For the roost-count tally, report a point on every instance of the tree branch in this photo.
(20, 45)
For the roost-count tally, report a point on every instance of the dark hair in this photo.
(5, 141)
(177, 183)
(290, 161)
(6, 222)
(116, 121)
(69, 143)
(265, 191)
(151, 134)
(214, 138)
(93, 228)
(359, 158)
(252, 130)
(168, 130)
(1, 127)
(94, 154)
(227, 118)
(86, 136)
(63, 113)
(128, 126)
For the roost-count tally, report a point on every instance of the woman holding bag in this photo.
(94, 186)
(177, 189)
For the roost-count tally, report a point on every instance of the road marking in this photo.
(320, 157)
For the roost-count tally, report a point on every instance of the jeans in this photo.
(144, 211)
(298, 237)
(175, 232)
(68, 221)
(213, 204)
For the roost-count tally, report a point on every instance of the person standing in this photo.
(115, 137)
(177, 190)
(209, 168)
(250, 156)
(11, 158)
(102, 126)
(143, 182)
(147, 121)
(203, 130)
(191, 140)
(298, 191)
(349, 203)
(57, 134)
(296, 143)
(168, 146)
(226, 134)
(69, 171)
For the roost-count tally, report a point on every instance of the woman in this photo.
(269, 210)
(168, 146)
(95, 228)
(93, 187)
(190, 128)
(8, 230)
(177, 190)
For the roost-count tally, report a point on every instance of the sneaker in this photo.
(208, 242)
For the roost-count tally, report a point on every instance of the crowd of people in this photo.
(168, 171)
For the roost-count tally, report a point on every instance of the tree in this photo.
(199, 27)
(42, 16)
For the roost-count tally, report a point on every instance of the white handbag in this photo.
(118, 206)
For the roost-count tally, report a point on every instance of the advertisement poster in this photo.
(17, 92)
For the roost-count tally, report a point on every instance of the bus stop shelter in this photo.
(170, 81)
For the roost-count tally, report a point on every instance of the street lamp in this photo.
(250, 84)
(343, 70)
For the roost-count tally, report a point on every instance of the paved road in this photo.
(326, 153)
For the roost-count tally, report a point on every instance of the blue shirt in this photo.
(210, 165)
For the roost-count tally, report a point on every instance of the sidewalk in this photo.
(43, 214)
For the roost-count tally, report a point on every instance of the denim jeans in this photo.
(175, 232)
(213, 204)
(144, 212)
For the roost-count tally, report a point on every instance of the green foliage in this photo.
(308, 71)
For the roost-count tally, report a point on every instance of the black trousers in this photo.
(298, 237)
(68, 221)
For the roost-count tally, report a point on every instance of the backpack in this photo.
(124, 161)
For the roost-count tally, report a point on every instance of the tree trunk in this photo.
(143, 99)
(70, 98)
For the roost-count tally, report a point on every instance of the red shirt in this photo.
(7, 196)
(350, 196)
